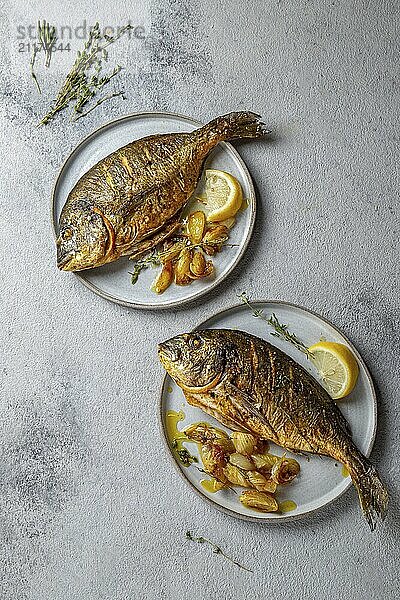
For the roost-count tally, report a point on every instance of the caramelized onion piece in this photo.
(245, 443)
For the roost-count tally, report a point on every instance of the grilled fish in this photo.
(132, 199)
(249, 385)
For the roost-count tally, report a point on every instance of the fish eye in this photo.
(196, 343)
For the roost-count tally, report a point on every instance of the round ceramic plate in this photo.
(321, 480)
(113, 281)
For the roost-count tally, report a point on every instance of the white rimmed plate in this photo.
(321, 480)
(113, 281)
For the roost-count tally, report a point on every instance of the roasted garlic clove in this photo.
(262, 501)
(260, 482)
(214, 237)
(198, 265)
(270, 486)
(214, 459)
(172, 251)
(182, 267)
(163, 279)
(203, 432)
(264, 461)
(195, 226)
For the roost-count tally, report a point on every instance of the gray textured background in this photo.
(89, 506)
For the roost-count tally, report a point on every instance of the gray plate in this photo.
(320, 480)
(112, 281)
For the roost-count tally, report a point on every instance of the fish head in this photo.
(83, 238)
(196, 361)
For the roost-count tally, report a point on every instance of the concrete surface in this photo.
(90, 508)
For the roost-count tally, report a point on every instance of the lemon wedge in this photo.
(224, 195)
(337, 366)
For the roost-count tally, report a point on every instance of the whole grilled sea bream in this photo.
(132, 199)
(247, 384)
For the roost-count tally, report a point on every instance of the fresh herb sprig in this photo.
(46, 40)
(151, 260)
(281, 330)
(216, 549)
(32, 67)
(186, 458)
(84, 81)
(47, 37)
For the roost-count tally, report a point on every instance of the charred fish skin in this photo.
(248, 384)
(131, 195)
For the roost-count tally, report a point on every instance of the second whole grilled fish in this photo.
(132, 200)
(249, 385)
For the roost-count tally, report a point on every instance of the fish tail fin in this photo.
(372, 493)
(236, 125)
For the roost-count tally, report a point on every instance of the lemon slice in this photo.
(337, 366)
(224, 195)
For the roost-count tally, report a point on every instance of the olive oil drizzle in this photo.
(177, 438)
(210, 485)
(287, 506)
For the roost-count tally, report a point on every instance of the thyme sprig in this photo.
(47, 37)
(216, 549)
(95, 84)
(84, 80)
(281, 330)
(151, 260)
(32, 67)
(104, 99)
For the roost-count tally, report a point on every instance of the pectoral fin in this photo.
(249, 414)
(144, 246)
(260, 424)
